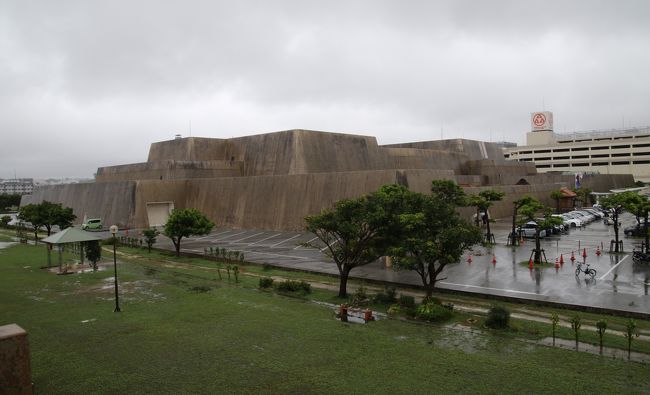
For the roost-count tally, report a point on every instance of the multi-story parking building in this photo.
(615, 151)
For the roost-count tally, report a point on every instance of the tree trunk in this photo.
(538, 247)
(557, 206)
(615, 218)
(343, 284)
(645, 232)
(487, 223)
(177, 245)
(514, 224)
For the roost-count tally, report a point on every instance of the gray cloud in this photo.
(90, 83)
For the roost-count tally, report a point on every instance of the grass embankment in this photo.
(183, 330)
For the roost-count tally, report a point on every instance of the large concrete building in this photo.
(616, 151)
(272, 181)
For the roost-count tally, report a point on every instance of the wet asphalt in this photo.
(620, 284)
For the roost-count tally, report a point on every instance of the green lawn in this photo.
(174, 337)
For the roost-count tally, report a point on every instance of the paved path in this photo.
(619, 284)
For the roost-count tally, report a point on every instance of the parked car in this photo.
(584, 216)
(594, 212)
(529, 229)
(566, 224)
(92, 224)
(570, 222)
(634, 230)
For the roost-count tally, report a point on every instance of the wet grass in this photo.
(185, 331)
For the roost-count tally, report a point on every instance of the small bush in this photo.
(431, 300)
(266, 282)
(394, 309)
(498, 317)
(360, 297)
(386, 297)
(406, 301)
(432, 312)
(301, 287)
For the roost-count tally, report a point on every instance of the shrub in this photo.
(498, 317)
(406, 301)
(431, 299)
(301, 287)
(432, 312)
(266, 282)
(359, 297)
(386, 297)
(394, 309)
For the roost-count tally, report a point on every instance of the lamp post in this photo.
(117, 298)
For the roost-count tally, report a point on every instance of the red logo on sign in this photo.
(539, 119)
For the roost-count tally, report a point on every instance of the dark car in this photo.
(634, 230)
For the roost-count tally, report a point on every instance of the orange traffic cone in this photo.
(530, 264)
(469, 260)
(573, 258)
(557, 265)
(494, 259)
(598, 251)
(584, 253)
(561, 259)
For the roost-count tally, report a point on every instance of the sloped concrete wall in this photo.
(170, 169)
(113, 202)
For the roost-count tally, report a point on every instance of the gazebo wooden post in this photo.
(60, 257)
(49, 255)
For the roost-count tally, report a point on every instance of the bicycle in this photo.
(586, 270)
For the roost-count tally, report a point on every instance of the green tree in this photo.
(184, 223)
(9, 201)
(616, 203)
(483, 201)
(355, 231)
(432, 233)
(555, 321)
(583, 196)
(32, 213)
(517, 204)
(535, 211)
(575, 325)
(4, 221)
(56, 214)
(93, 252)
(557, 196)
(150, 236)
(630, 332)
(641, 207)
(601, 327)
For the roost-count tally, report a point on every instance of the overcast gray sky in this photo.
(85, 83)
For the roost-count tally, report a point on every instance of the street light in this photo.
(117, 298)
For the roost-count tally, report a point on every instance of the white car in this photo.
(568, 222)
(594, 212)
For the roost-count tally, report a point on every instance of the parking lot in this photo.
(619, 283)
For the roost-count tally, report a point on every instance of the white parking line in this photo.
(224, 238)
(283, 241)
(613, 267)
(247, 237)
(324, 248)
(270, 237)
(493, 289)
(300, 245)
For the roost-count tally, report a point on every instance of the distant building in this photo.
(17, 186)
(615, 151)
